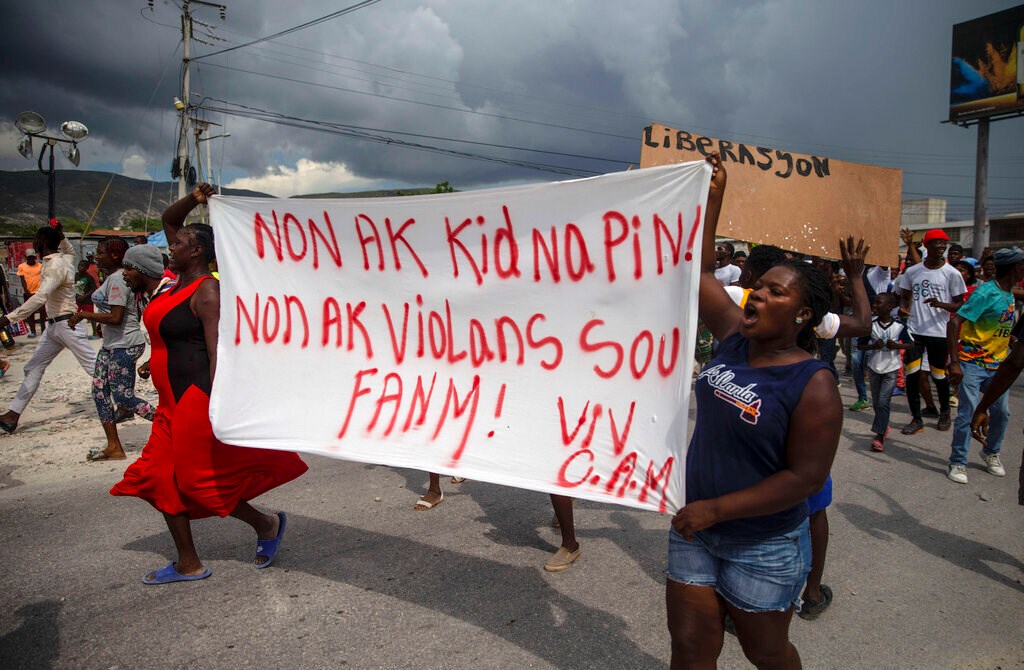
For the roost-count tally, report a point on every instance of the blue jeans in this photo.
(976, 380)
(881, 397)
(859, 365)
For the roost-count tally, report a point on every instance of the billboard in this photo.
(987, 70)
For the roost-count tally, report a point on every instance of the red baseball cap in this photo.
(935, 234)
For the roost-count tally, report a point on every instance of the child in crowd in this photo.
(888, 337)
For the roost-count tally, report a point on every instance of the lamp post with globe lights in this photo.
(33, 126)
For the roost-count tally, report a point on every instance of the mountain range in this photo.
(24, 198)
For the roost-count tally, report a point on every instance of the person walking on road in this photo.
(57, 292)
(768, 423)
(184, 471)
(113, 382)
(979, 335)
(30, 274)
(929, 291)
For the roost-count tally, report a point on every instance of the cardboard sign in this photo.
(794, 201)
(539, 336)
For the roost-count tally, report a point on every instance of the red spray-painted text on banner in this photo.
(535, 336)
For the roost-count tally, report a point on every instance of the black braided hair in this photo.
(763, 258)
(116, 247)
(204, 237)
(817, 294)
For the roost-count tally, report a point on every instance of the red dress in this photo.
(183, 468)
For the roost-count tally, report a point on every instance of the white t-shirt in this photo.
(825, 330)
(728, 274)
(943, 283)
(879, 278)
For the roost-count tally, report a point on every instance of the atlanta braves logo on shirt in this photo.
(742, 397)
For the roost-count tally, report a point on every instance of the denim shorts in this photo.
(822, 498)
(764, 575)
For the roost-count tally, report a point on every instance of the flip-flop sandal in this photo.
(268, 548)
(95, 455)
(423, 505)
(458, 480)
(811, 610)
(168, 575)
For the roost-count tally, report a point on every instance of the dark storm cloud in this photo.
(857, 81)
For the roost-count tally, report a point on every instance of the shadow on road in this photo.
(514, 603)
(960, 551)
(36, 642)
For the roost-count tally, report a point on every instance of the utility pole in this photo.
(186, 41)
(183, 103)
(981, 227)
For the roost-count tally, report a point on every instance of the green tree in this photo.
(444, 187)
(72, 225)
(141, 223)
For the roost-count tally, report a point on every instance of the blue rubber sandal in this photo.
(168, 575)
(268, 548)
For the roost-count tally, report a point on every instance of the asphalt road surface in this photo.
(926, 573)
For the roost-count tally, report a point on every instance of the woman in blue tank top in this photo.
(767, 428)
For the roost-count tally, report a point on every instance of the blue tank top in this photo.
(740, 434)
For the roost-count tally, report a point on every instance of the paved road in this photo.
(927, 574)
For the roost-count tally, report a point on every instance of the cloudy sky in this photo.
(499, 93)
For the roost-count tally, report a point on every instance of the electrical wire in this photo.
(329, 124)
(425, 104)
(903, 156)
(308, 24)
(532, 165)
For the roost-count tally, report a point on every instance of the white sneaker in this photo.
(993, 464)
(957, 473)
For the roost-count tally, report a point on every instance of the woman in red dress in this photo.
(184, 471)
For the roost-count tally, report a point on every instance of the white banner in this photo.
(538, 336)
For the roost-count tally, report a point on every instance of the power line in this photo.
(904, 157)
(346, 126)
(328, 17)
(544, 167)
(425, 104)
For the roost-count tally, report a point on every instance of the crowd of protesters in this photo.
(748, 549)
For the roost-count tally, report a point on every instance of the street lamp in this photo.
(33, 125)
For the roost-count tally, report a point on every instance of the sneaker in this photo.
(898, 391)
(957, 473)
(993, 464)
(878, 444)
(915, 426)
(944, 423)
(859, 405)
(930, 413)
(31, 334)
